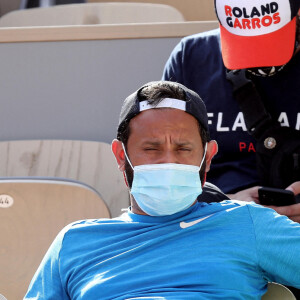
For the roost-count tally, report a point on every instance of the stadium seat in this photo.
(277, 291)
(92, 13)
(192, 10)
(32, 212)
(45, 3)
(89, 162)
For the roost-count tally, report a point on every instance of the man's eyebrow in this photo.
(185, 143)
(158, 143)
(152, 142)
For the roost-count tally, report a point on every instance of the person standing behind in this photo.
(261, 37)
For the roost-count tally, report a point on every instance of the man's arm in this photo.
(246, 195)
(46, 283)
(291, 211)
(277, 244)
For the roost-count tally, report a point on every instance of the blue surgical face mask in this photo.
(165, 189)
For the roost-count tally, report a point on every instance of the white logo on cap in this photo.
(166, 103)
(253, 17)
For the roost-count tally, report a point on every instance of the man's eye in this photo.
(150, 149)
(184, 149)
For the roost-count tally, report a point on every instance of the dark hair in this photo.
(154, 94)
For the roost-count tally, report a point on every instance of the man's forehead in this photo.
(162, 126)
(159, 117)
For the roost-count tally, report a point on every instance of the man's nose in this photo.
(169, 157)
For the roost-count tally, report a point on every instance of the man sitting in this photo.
(168, 245)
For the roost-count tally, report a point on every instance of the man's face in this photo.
(164, 136)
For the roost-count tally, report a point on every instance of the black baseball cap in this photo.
(192, 104)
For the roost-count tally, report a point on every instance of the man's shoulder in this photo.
(88, 231)
(201, 48)
(239, 207)
(256, 212)
(91, 225)
(97, 222)
(211, 36)
(211, 193)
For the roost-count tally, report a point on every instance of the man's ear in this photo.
(118, 151)
(212, 149)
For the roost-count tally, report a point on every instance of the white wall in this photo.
(74, 89)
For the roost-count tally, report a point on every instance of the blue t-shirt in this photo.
(227, 250)
(197, 63)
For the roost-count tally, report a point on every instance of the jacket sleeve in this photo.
(173, 68)
(277, 245)
(46, 283)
